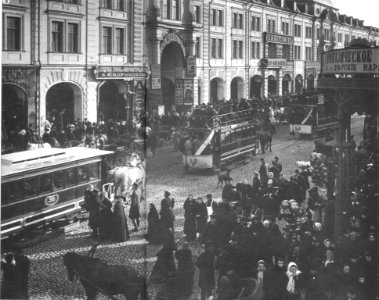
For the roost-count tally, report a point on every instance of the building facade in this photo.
(204, 51)
(65, 60)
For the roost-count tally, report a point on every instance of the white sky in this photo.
(366, 10)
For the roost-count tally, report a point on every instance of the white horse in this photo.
(125, 177)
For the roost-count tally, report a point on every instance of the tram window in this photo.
(45, 183)
(58, 180)
(82, 174)
(93, 171)
(70, 177)
(5, 193)
(31, 186)
(15, 190)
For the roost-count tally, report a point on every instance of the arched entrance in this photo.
(236, 88)
(112, 104)
(272, 85)
(286, 84)
(217, 90)
(299, 83)
(64, 104)
(310, 82)
(172, 68)
(14, 106)
(255, 86)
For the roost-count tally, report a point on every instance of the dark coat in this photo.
(154, 227)
(190, 219)
(134, 205)
(205, 264)
(120, 223)
(201, 216)
(105, 218)
(93, 203)
(227, 191)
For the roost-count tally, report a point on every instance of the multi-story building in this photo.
(102, 59)
(71, 59)
(201, 51)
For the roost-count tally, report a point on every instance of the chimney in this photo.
(306, 8)
(282, 3)
(295, 6)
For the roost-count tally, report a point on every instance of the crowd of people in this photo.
(280, 232)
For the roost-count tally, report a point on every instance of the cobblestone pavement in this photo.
(48, 276)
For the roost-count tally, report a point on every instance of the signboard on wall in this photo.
(278, 38)
(119, 72)
(350, 61)
(191, 66)
(155, 77)
(188, 92)
(179, 91)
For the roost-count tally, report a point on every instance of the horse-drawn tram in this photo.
(312, 115)
(226, 137)
(46, 186)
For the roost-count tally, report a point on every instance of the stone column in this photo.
(264, 91)
(279, 82)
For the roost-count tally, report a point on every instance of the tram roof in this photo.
(34, 159)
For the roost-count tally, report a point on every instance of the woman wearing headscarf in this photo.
(190, 218)
(154, 226)
(294, 284)
(201, 215)
(120, 223)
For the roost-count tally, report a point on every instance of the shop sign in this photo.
(198, 161)
(119, 72)
(179, 91)
(156, 77)
(273, 63)
(278, 38)
(350, 61)
(301, 129)
(188, 92)
(191, 66)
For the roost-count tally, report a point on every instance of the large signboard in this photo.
(198, 161)
(350, 61)
(278, 38)
(191, 66)
(188, 92)
(120, 72)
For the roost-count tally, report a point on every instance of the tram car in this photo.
(227, 137)
(312, 116)
(44, 186)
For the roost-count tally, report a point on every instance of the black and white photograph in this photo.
(189, 150)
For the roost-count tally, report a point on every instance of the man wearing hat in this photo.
(276, 168)
(135, 199)
(263, 172)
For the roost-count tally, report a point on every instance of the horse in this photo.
(265, 136)
(223, 175)
(124, 177)
(97, 276)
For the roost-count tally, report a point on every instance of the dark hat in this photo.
(120, 197)
(276, 158)
(209, 195)
(135, 184)
(167, 193)
(228, 178)
(213, 216)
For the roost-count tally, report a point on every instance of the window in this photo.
(70, 176)
(326, 34)
(57, 36)
(308, 32)
(297, 30)
(31, 186)
(220, 15)
(107, 40)
(106, 4)
(93, 171)
(119, 36)
(217, 17)
(237, 21)
(255, 23)
(69, 1)
(198, 47)
(12, 40)
(45, 183)
(213, 48)
(297, 52)
(175, 10)
(285, 28)
(339, 37)
(82, 174)
(353, 37)
(271, 26)
(237, 49)
(308, 53)
(255, 49)
(346, 38)
(287, 51)
(271, 50)
(318, 33)
(220, 48)
(240, 48)
(197, 14)
(58, 180)
(120, 5)
(72, 38)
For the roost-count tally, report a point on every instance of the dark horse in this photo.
(265, 134)
(97, 276)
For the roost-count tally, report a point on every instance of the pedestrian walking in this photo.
(189, 228)
(294, 283)
(134, 213)
(105, 217)
(201, 215)
(93, 203)
(154, 227)
(206, 265)
(120, 223)
(263, 172)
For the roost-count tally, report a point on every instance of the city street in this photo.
(48, 276)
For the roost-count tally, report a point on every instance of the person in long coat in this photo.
(167, 215)
(165, 264)
(154, 227)
(294, 282)
(189, 218)
(206, 266)
(201, 215)
(134, 214)
(105, 216)
(120, 223)
(93, 203)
